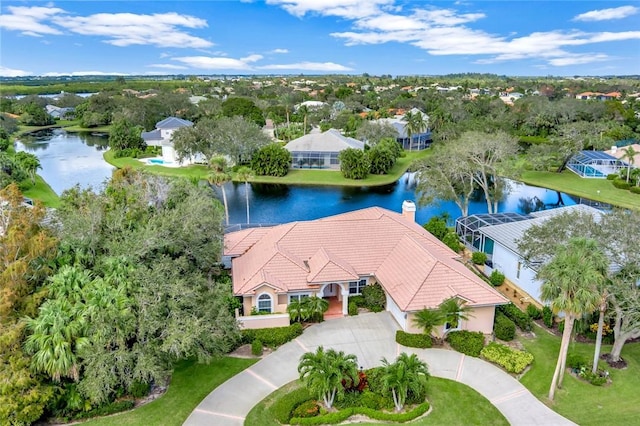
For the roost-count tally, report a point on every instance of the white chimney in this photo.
(614, 149)
(409, 210)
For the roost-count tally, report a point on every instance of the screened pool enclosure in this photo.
(468, 228)
(595, 164)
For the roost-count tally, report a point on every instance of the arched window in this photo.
(265, 303)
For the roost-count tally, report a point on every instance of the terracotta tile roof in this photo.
(415, 268)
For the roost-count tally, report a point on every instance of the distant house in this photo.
(419, 141)
(338, 256)
(497, 236)
(320, 150)
(598, 96)
(60, 113)
(162, 134)
(620, 152)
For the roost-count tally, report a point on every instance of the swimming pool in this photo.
(156, 161)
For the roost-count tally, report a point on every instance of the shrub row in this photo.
(621, 184)
(521, 319)
(503, 327)
(353, 309)
(534, 312)
(413, 340)
(283, 407)
(635, 189)
(256, 347)
(342, 415)
(104, 410)
(468, 342)
(272, 337)
(512, 360)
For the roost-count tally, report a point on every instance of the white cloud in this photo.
(29, 20)
(580, 59)
(350, 9)
(168, 66)
(81, 73)
(11, 72)
(279, 51)
(126, 29)
(218, 63)
(607, 14)
(308, 66)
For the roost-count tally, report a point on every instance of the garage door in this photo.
(396, 312)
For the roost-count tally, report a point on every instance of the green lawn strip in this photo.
(190, 384)
(453, 403)
(595, 189)
(194, 171)
(578, 400)
(76, 128)
(43, 192)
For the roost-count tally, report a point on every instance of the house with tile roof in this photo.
(320, 150)
(161, 137)
(419, 141)
(337, 256)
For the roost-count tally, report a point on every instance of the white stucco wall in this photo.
(506, 261)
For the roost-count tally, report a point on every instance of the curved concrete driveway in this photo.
(370, 337)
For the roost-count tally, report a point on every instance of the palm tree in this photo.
(453, 311)
(30, 163)
(570, 282)
(322, 372)
(415, 123)
(297, 310)
(245, 173)
(315, 307)
(218, 177)
(428, 319)
(629, 155)
(408, 373)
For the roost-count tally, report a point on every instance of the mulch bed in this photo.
(619, 365)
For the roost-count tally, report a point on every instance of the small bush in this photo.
(413, 340)
(371, 400)
(504, 328)
(479, 257)
(272, 337)
(353, 308)
(533, 312)
(635, 189)
(576, 361)
(512, 360)
(621, 184)
(612, 176)
(468, 342)
(306, 409)
(374, 297)
(256, 348)
(282, 408)
(561, 326)
(597, 379)
(547, 316)
(514, 313)
(452, 241)
(139, 389)
(358, 299)
(496, 278)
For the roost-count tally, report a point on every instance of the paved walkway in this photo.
(370, 337)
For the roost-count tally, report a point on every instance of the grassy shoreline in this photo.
(43, 192)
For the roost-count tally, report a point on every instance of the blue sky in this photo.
(396, 37)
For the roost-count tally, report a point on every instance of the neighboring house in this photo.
(419, 141)
(498, 234)
(338, 256)
(320, 150)
(620, 152)
(595, 164)
(60, 113)
(161, 137)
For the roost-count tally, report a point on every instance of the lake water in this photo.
(74, 158)
(68, 159)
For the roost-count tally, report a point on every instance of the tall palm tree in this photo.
(629, 155)
(570, 282)
(407, 373)
(323, 371)
(245, 173)
(415, 123)
(219, 176)
(428, 319)
(453, 311)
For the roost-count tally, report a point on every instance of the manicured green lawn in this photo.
(190, 384)
(294, 177)
(453, 404)
(581, 402)
(594, 189)
(43, 192)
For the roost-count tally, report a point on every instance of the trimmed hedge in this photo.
(413, 340)
(256, 347)
(105, 410)
(284, 406)
(504, 328)
(496, 278)
(468, 342)
(547, 316)
(621, 184)
(635, 189)
(514, 313)
(512, 360)
(478, 257)
(342, 415)
(272, 337)
(353, 309)
(534, 312)
(358, 299)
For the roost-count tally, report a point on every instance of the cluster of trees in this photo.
(378, 159)
(437, 226)
(105, 299)
(589, 264)
(16, 167)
